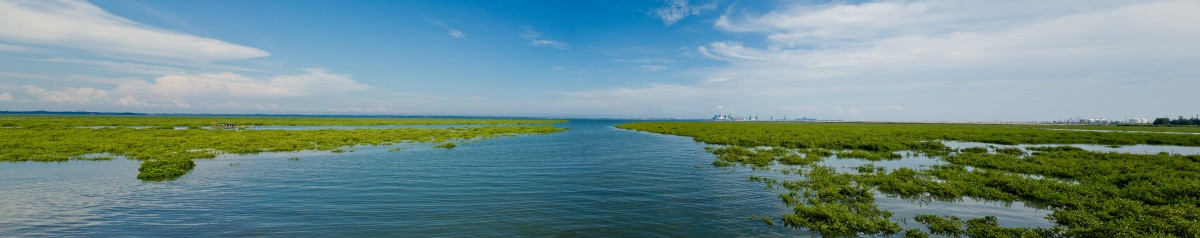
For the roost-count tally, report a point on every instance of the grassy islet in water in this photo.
(167, 153)
(1091, 194)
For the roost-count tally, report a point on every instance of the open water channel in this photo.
(592, 180)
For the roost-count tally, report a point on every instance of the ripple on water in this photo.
(592, 180)
(1132, 149)
(916, 162)
(1008, 214)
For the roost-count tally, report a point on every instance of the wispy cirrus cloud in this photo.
(678, 9)
(651, 67)
(946, 34)
(229, 85)
(634, 100)
(733, 50)
(125, 67)
(452, 32)
(81, 25)
(535, 39)
(649, 64)
(69, 95)
(942, 60)
(210, 91)
(647, 60)
(16, 48)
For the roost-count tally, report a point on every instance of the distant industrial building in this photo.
(722, 115)
(1102, 121)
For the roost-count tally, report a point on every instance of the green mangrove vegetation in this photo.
(1194, 121)
(167, 153)
(1126, 128)
(196, 122)
(447, 145)
(1089, 194)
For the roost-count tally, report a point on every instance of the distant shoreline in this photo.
(86, 113)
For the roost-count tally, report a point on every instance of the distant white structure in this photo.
(721, 116)
(1107, 121)
(727, 115)
(1095, 121)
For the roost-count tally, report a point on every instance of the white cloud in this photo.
(672, 99)
(69, 95)
(16, 48)
(132, 101)
(317, 81)
(1099, 40)
(678, 9)
(664, 91)
(74, 78)
(457, 34)
(82, 25)
(650, 67)
(6, 96)
(649, 64)
(735, 51)
(835, 25)
(535, 39)
(647, 61)
(840, 23)
(122, 66)
(582, 74)
(571, 70)
(943, 60)
(212, 91)
(313, 82)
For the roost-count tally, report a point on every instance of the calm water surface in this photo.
(592, 180)
(1132, 149)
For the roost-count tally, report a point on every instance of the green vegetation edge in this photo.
(1090, 194)
(167, 153)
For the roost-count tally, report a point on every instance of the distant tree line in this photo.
(1163, 121)
(68, 113)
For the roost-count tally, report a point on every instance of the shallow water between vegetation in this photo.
(591, 180)
(840, 178)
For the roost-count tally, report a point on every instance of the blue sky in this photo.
(855, 60)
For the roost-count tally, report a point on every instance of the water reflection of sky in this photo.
(45, 198)
(1121, 131)
(1132, 149)
(1009, 214)
(593, 180)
